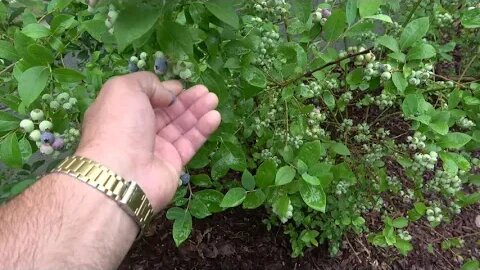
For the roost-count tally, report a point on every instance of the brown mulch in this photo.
(238, 239)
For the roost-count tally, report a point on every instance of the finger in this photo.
(188, 144)
(184, 100)
(189, 117)
(161, 94)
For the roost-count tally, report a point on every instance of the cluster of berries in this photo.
(112, 17)
(363, 133)
(434, 214)
(376, 69)
(446, 182)
(47, 142)
(135, 64)
(271, 9)
(417, 141)
(421, 76)
(384, 100)
(465, 123)
(62, 100)
(425, 161)
(444, 20)
(321, 15)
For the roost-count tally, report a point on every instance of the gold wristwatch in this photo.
(127, 194)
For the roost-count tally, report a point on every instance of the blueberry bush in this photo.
(333, 112)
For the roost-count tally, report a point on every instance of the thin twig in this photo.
(412, 13)
(467, 67)
(7, 68)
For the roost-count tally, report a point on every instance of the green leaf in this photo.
(284, 175)
(414, 32)
(368, 7)
(414, 105)
(399, 81)
(40, 54)
(57, 5)
(201, 180)
(7, 51)
(403, 246)
(211, 198)
(234, 197)
(355, 77)
(10, 151)
(25, 149)
(471, 101)
(66, 75)
(8, 122)
(182, 227)
(266, 174)
(439, 122)
(380, 17)
(302, 9)
(335, 25)
(224, 11)
(31, 84)
(351, 11)
(400, 222)
(471, 18)
(175, 213)
(62, 22)
(229, 156)
(254, 76)
(36, 31)
(280, 204)
(329, 100)
(248, 181)
(471, 265)
(174, 38)
(254, 199)
(420, 208)
(389, 42)
(340, 148)
(199, 209)
(135, 21)
(454, 140)
(313, 196)
(302, 167)
(449, 165)
(312, 180)
(21, 186)
(311, 152)
(421, 51)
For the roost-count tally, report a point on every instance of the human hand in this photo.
(139, 128)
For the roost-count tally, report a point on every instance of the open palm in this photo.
(147, 130)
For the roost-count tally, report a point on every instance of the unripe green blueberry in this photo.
(108, 23)
(63, 97)
(67, 106)
(134, 59)
(369, 57)
(159, 54)
(431, 218)
(111, 31)
(185, 74)
(35, 135)
(430, 212)
(437, 210)
(113, 15)
(47, 97)
(27, 125)
(386, 76)
(141, 64)
(37, 115)
(45, 125)
(143, 56)
(359, 58)
(387, 67)
(72, 101)
(54, 105)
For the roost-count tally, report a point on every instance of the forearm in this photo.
(62, 223)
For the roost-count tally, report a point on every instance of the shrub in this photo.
(333, 113)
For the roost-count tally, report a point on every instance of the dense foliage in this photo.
(333, 113)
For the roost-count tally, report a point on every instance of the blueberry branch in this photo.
(336, 62)
(412, 12)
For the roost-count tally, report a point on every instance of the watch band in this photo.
(127, 194)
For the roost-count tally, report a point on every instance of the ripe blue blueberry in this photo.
(161, 65)
(185, 178)
(132, 67)
(326, 13)
(58, 143)
(47, 138)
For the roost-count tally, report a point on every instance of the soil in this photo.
(238, 239)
